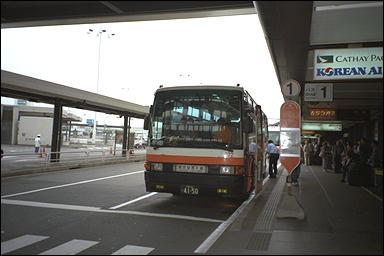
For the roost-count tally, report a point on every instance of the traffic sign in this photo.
(290, 135)
(318, 92)
(290, 88)
(90, 121)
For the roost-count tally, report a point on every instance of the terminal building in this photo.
(21, 123)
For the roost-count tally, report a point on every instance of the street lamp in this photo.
(98, 34)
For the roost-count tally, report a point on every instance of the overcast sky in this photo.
(143, 55)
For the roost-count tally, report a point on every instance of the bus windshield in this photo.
(197, 118)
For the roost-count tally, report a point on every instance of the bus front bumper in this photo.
(194, 184)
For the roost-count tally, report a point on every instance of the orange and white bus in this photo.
(207, 140)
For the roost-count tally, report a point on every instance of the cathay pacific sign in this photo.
(351, 63)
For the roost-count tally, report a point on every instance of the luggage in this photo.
(315, 159)
(366, 175)
(353, 176)
(360, 174)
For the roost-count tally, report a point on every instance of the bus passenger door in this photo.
(260, 150)
(251, 168)
(250, 152)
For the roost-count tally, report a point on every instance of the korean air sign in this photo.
(351, 63)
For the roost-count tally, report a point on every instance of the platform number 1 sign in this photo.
(290, 88)
(318, 92)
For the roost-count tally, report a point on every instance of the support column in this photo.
(129, 134)
(124, 145)
(56, 132)
(70, 127)
(381, 137)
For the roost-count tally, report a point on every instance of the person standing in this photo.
(37, 143)
(364, 151)
(296, 172)
(336, 153)
(374, 159)
(316, 157)
(347, 157)
(273, 156)
(326, 155)
(308, 150)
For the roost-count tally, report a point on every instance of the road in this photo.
(103, 210)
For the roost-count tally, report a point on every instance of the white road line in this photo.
(372, 194)
(72, 184)
(70, 248)
(31, 159)
(96, 209)
(133, 250)
(5, 157)
(132, 201)
(329, 200)
(20, 242)
(212, 238)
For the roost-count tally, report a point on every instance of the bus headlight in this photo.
(227, 170)
(157, 166)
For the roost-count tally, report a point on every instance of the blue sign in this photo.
(90, 121)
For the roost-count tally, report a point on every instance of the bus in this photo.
(205, 140)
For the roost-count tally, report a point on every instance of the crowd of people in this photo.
(340, 156)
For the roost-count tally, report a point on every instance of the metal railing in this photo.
(15, 161)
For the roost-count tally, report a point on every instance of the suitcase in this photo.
(366, 175)
(354, 174)
(360, 174)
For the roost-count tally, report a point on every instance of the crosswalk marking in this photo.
(133, 250)
(20, 242)
(70, 248)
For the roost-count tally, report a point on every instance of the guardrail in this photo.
(21, 161)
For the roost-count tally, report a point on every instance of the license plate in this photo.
(190, 168)
(190, 190)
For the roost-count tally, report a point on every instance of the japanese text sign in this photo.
(290, 135)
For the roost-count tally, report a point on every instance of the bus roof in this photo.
(200, 87)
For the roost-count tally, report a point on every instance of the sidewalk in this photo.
(339, 219)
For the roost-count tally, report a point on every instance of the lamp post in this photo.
(98, 34)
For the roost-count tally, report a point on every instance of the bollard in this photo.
(40, 155)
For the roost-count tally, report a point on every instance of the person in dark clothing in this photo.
(347, 157)
(337, 150)
(364, 151)
(273, 156)
(296, 172)
(374, 159)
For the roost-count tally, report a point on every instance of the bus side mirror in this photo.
(147, 121)
(248, 124)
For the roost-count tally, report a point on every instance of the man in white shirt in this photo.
(37, 143)
(273, 156)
